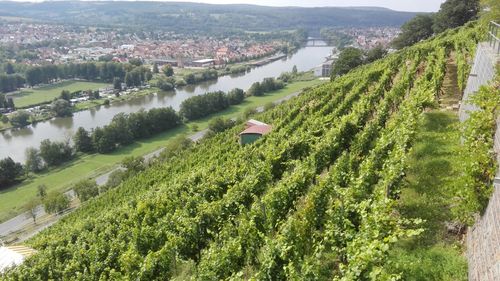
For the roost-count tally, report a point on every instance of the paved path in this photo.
(20, 221)
(24, 220)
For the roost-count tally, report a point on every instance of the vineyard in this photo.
(313, 200)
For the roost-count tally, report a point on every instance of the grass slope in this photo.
(12, 199)
(437, 254)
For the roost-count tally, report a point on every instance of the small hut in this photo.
(254, 130)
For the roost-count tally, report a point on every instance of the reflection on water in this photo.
(21, 132)
(14, 142)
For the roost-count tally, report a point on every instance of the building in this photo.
(13, 255)
(324, 69)
(203, 63)
(162, 62)
(222, 52)
(254, 130)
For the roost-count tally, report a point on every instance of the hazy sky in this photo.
(399, 5)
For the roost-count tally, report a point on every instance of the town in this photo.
(56, 44)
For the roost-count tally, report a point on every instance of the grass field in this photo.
(43, 94)
(13, 199)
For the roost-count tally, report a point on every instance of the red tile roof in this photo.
(257, 129)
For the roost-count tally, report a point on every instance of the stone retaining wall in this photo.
(483, 239)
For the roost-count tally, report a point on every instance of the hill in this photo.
(200, 18)
(314, 199)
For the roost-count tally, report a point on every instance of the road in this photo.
(24, 220)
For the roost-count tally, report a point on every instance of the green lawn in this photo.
(35, 96)
(436, 254)
(12, 199)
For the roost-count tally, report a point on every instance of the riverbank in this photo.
(86, 105)
(43, 96)
(91, 166)
(13, 143)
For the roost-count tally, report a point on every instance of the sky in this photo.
(399, 5)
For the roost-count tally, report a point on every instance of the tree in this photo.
(203, 105)
(164, 85)
(294, 70)
(41, 191)
(135, 61)
(33, 162)
(31, 209)
(494, 10)
(115, 178)
(348, 59)
(10, 103)
(133, 164)
(20, 118)
(268, 106)
(65, 95)
(190, 79)
(9, 68)
(375, 53)
(220, 124)
(120, 129)
(83, 141)
(236, 96)
(454, 13)
(61, 108)
(155, 68)
(414, 30)
(55, 202)
(249, 111)
(168, 70)
(255, 90)
(117, 83)
(55, 153)
(175, 146)
(103, 140)
(86, 189)
(129, 80)
(10, 171)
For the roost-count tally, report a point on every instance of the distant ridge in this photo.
(197, 17)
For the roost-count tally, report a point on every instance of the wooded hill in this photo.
(194, 18)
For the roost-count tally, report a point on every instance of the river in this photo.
(14, 142)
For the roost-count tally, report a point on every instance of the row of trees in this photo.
(203, 105)
(137, 76)
(10, 172)
(6, 102)
(11, 82)
(453, 13)
(124, 129)
(50, 154)
(207, 74)
(133, 75)
(267, 85)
